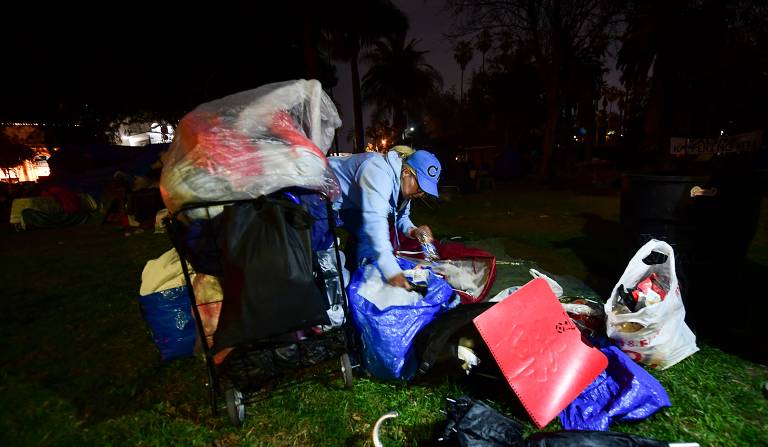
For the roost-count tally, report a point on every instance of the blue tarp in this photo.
(623, 392)
(387, 335)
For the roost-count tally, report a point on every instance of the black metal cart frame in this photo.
(235, 400)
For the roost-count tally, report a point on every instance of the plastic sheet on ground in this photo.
(582, 303)
(517, 272)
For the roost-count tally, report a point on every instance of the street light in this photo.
(407, 131)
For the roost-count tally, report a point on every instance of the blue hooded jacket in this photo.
(370, 188)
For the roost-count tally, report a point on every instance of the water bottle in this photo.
(428, 248)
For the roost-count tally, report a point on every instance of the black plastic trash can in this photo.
(709, 221)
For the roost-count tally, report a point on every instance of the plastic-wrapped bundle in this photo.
(252, 143)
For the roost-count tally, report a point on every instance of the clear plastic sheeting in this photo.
(518, 272)
(251, 144)
(327, 261)
(467, 275)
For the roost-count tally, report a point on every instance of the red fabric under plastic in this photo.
(224, 149)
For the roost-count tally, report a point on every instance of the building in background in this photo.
(142, 134)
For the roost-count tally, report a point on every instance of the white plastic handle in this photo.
(377, 427)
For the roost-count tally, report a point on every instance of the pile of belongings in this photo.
(56, 207)
(554, 362)
(251, 144)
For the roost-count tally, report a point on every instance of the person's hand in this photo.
(399, 281)
(422, 231)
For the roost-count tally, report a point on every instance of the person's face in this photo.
(409, 185)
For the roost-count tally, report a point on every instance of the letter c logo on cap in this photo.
(432, 171)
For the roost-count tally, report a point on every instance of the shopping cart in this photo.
(282, 304)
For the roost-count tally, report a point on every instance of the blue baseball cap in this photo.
(427, 170)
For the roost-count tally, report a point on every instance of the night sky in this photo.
(132, 52)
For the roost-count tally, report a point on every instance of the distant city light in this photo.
(411, 129)
(30, 170)
(722, 132)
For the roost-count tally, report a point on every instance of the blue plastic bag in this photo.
(322, 238)
(623, 392)
(387, 335)
(169, 317)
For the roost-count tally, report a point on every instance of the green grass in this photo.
(79, 367)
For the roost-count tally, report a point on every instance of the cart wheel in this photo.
(235, 406)
(346, 371)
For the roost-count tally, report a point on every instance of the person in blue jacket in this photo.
(375, 187)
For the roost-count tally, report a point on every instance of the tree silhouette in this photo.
(484, 44)
(555, 32)
(462, 53)
(399, 79)
(351, 26)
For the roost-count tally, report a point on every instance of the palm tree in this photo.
(350, 26)
(399, 79)
(463, 54)
(484, 44)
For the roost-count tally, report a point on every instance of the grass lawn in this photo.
(79, 366)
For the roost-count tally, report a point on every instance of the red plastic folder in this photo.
(539, 350)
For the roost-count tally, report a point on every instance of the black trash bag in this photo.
(436, 341)
(268, 284)
(472, 423)
(590, 439)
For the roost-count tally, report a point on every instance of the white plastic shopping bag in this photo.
(655, 335)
